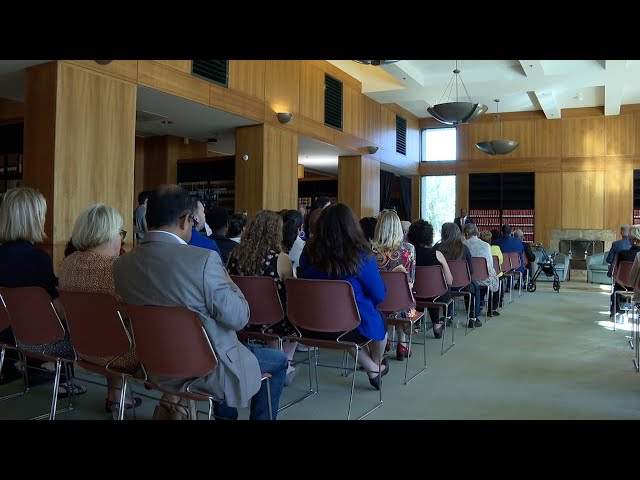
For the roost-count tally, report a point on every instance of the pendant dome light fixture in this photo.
(455, 113)
(498, 147)
(376, 62)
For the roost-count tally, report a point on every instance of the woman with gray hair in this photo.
(480, 248)
(97, 237)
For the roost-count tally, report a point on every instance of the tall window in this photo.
(439, 144)
(438, 201)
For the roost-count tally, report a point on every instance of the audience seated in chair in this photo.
(628, 255)
(338, 250)
(164, 271)
(96, 239)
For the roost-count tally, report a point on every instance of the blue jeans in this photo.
(271, 361)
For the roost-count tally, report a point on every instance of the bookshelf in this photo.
(499, 198)
(636, 216)
(310, 188)
(211, 179)
(11, 155)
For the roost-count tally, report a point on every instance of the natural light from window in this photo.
(438, 201)
(438, 144)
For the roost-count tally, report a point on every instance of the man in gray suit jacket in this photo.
(163, 270)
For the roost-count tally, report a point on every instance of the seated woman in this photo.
(420, 235)
(626, 256)
(394, 254)
(97, 237)
(338, 250)
(260, 253)
(453, 248)
(479, 248)
(291, 240)
(486, 236)
(22, 218)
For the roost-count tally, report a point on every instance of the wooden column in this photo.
(79, 145)
(161, 155)
(359, 184)
(269, 176)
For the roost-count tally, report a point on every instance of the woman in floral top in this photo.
(394, 254)
(261, 253)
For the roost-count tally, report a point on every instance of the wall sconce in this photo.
(284, 117)
(372, 149)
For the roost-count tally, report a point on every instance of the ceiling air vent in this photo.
(332, 102)
(401, 135)
(216, 71)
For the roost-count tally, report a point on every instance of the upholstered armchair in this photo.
(597, 268)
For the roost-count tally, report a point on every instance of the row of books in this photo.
(11, 163)
(518, 213)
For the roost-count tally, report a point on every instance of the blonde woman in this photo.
(96, 238)
(22, 219)
(392, 253)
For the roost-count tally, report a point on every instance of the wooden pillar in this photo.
(359, 184)
(268, 178)
(161, 155)
(79, 145)
(462, 192)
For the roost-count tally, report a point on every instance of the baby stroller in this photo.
(546, 265)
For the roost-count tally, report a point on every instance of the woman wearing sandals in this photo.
(22, 218)
(394, 254)
(97, 237)
(339, 250)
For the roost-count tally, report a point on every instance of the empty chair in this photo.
(172, 343)
(429, 286)
(97, 331)
(325, 313)
(399, 299)
(37, 327)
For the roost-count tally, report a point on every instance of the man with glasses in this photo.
(163, 270)
(198, 219)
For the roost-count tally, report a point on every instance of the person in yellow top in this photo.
(495, 250)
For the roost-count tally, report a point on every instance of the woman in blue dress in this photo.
(339, 251)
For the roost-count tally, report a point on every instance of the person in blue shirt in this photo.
(617, 246)
(198, 239)
(338, 250)
(509, 244)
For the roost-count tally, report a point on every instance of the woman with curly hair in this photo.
(394, 254)
(338, 250)
(261, 253)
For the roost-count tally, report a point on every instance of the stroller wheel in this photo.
(556, 285)
(531, 287)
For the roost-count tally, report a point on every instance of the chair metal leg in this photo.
(424, 354)
(269, 398)
(444, 332)
(56, 384)
(123, 396)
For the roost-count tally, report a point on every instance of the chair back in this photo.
(496, 264)
(430, 282)
(4, 319)
(171, 341)
(480, 270)
(514, 260)
(398, 295)
(460, 272)
(506, 264)
(95, 324)
(307, 302)
(622, 274)
(32, 316)
(263, 298)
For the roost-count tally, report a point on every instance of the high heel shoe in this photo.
(402, 352)
(375, 381)
(111, 406)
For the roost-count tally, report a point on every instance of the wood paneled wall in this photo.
(161, 155)
(583, 163)
(10, 109)
(249, 173)
(94, 163)
(359, 184)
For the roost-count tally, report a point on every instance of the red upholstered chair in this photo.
(461, 279)
(481, 272)
(4, 324)
(35, 321)
(430, 283)
(264, 305)
(514, 260)
(622, 276)
(171, 342)
(96, 329)
(321, 307)
(399, 298)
